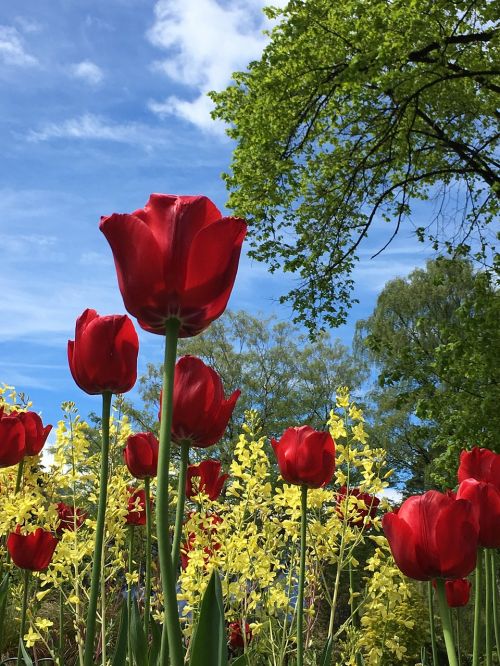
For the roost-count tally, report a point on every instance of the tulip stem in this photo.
(181, 498)
(496, 623)
(60, 647)
(171, 640)
(487, 606)
(129, 591)
(19, 478)
(99, 532)
(459, 648)
(147, 591)
(432, 625)
(444, 611)
(477, 608)
(302, 576)
(22, 629)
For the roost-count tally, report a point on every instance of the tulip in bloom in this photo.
(176, 258)
(32, 551)
(141, 455)
(205, 478)
(485, 498)
(433, 535)
(357, 512)
(236, 635)
(69, 519)
(12, 439)
(200, 411)
(480, 464)
(305, 456)
(136, 507)
(457, 592)
(103, 356)
(36, 433)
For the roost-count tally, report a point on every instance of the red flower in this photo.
(458, 592)
(209, 532)
(32, 551)
(36, 433)
(12, 439)
(103, 356)
(201, 413)
(69, 519)
(136, 507)
(236, 635)
(305, 456)
(357, 514)
(485, 498)
(141, 455)
(433, 535)
(480, 464)
(210, 480)
(175, 259)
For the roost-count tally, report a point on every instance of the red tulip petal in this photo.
(403, 546)
(456, 533)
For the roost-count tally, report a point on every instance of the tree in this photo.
(355, 111)
(286, 378)
(435, 340)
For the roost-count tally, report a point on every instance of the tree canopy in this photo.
(355, 111)
(435, 340)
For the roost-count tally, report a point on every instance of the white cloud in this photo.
(12, 50)
(87, 71)
(206, 42)
(28, 25)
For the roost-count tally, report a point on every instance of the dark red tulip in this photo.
(236, 635)
(458, 592)
(36, 433)
(32, 551)
(305, 456)
(433, 535)
(68, 518)
(357, 514)
(211, 532)
(201, 413)
(12, 439)
(485, 498)
(136, 507)
(480, 464)
(208, 479)
(141, 455)
(103, 356)
(176, 258)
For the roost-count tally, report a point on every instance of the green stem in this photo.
(19, 478)
(181, 498)
(99, 533)
(147, 591)
(22, 629)
(60, 647)
(432, 625)
(302, 576)
(459, 649)
(129, 591)
(477, 608)
(103, 610)
(496, 618)
(487, 607)
(171, 640)
(444, 611)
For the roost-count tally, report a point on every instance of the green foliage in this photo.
(209, 646)
(436, 342)
(355, 111)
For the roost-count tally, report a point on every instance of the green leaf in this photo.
(326, 655)
(243, 660)
(209, 646)
(138, 637)
(154, 650)
(26, 657)
(120, 656)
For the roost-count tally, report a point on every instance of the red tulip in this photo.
(305, 456)
(33, 551)
(210, 480)
(201, 413)
(458, 592)
(141, 455)
(69, 519)
(103, 356)
(356, 514)
(236, 635)
(36, 433)
(433, 535)
(485, 498)
(480, 464)
(12, 439)
(136, 507)
(175, 259)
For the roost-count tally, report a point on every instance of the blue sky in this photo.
(103, 103)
